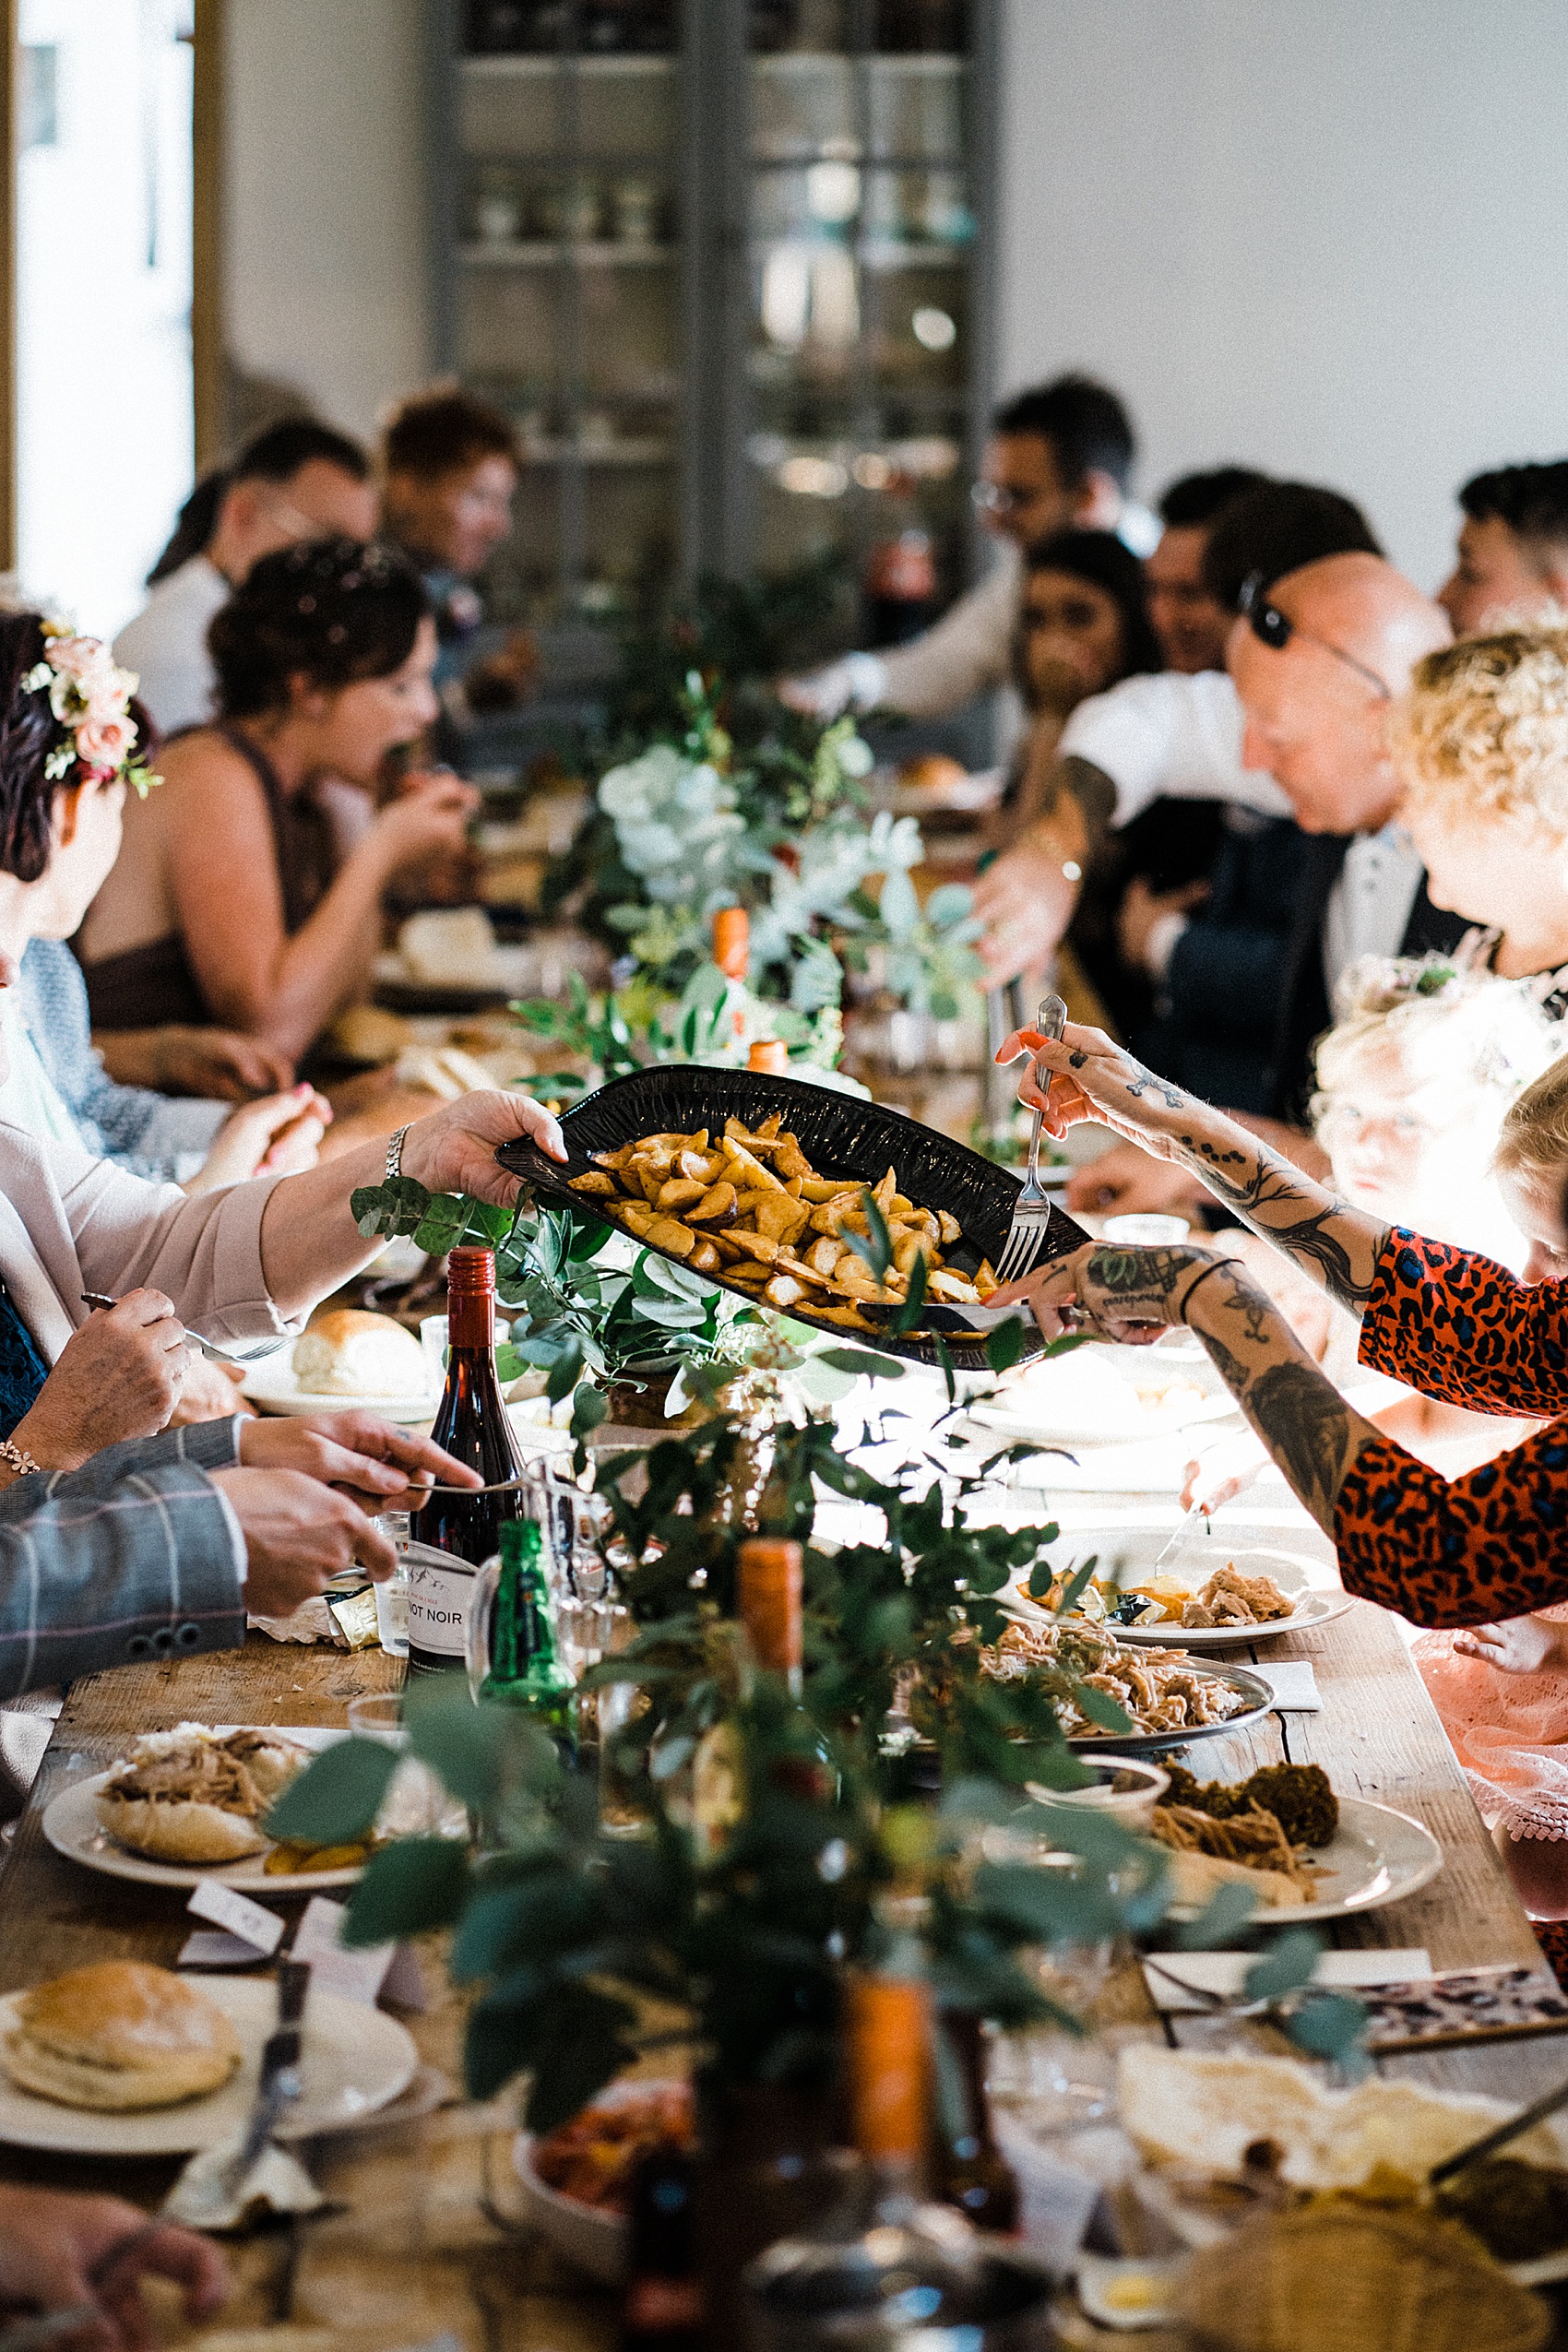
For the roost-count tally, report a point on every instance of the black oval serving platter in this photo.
(840, 1135)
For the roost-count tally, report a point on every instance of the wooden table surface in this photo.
(415, 2252)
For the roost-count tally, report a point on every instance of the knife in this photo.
(278, 2085)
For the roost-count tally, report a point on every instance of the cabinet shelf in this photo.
(538, 253)
(527, 66)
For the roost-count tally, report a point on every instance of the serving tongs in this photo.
(1498, 2136)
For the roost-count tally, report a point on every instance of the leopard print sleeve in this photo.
(1460, 1326)
(1459, 1551)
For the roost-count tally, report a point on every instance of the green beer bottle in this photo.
(524, 1668)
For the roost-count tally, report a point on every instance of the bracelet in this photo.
(395, 1155)
(1219, 1264)
(20, 1460)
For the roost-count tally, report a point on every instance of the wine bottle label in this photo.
(440, 1586)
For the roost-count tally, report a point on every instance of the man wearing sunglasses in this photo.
(1060, 457)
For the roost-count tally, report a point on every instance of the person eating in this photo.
(248, 890)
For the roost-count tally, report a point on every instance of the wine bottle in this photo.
(974, 2174)
(661, 2309)
(452, 1533)
(524, 1668)
(886, 2263)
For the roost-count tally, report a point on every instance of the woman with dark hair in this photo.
(1083, 627)
(248, 892)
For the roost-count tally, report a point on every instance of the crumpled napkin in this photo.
(312, 1622)
(275, 2180)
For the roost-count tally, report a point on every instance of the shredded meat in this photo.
(1230, 1598)
(1254, 1838)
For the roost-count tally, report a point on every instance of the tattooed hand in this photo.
(1094, 1079)
(1129, 1296)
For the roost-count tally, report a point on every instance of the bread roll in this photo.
(189, 1795)
(931, 768)
(120, 2035)
(350, 1353)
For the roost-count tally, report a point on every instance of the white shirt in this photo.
(166, 645)
(1169, 735)
(1370, 905)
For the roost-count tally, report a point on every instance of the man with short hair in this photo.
(1513, 548)
(1187, 617)
(450, 465)
(1060, 457)
(296, 481)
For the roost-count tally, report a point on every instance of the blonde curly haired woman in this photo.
(1480, 742)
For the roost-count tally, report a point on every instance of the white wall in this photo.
(1329, 238)
(326, 261)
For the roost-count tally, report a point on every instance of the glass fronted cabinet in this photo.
(728, 265)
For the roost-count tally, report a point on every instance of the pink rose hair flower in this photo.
(104, 743)
(91, 699)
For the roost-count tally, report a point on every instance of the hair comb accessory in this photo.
(92, 700)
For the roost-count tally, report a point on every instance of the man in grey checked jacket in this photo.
(159, 1548)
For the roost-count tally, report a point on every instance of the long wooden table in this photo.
(416, 2251)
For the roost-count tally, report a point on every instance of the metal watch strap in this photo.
(395, 1153)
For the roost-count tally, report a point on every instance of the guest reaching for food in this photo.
(1491, 1544)
(248, 891)
(242, 1264)
(61, 2251)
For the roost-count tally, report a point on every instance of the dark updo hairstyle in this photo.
(333, 610)
(28, 732)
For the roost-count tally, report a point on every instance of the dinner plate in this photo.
(354, 2060)
(1377, 1857)
(1096, 1395)
(72, 1826)
(842, 1136)
(1126, 1554)
(271, 1385)
(1258, 1695)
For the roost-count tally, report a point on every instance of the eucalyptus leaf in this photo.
(1329, 2024)
(1101, 1708)
(1225, 1914)
(337, 1796)
(1006, 1344)
(409, 1887)
(862, 1363)
(1290, 1963)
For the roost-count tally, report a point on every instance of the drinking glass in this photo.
(416, 1804)
(1051, 2080)
(392, 1598)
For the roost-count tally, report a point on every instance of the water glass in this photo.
(1051, 2080)
(416, 1804)
(392, 1598)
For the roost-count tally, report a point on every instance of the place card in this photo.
(1294, 1685)
(1224, 1972)
(227, 1907)
(216, 1948)
(357, 1973)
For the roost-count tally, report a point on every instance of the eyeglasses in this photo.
(1272, 627)
(996, 498)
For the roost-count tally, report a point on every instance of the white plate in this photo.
(1089, 1399)
(271, 1385)
(1126, 1554)
(353, 2061)
(72, 1826)
(591, 2239)
(1378, 1857)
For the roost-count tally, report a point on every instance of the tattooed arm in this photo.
(1337, 1245)
(1127, 1294)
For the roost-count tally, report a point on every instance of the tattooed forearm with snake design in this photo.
(1338, 1246)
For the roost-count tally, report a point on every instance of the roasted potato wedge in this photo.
(680, 1193)
(717, 1207)
(596, 1180)
(668, 1234)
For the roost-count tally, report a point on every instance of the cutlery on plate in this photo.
(1031, 1216)
(1500, 2136)
(278, 2085)
(251, 1354)
(1173, 1543)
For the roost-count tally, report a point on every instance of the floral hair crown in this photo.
(91, 699)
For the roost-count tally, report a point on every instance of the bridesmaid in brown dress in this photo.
(248, 892)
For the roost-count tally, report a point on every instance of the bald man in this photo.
(1317, 663)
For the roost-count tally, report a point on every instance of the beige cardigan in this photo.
(70, 1223)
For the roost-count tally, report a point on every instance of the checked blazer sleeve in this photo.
(122, 1561)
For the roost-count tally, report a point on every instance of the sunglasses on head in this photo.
(1272, 627)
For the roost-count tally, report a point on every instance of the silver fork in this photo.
(1026, 1233)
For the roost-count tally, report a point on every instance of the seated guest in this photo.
(1480, 745)
(1083, 626)
(450, 466)
(1175, 735)
(61, 2251)
(1318, 664)
(298, 479)
(249, 887)
(1188, 617)
(1060, 459)
(1513, 551)
(192, 1141)
(162, 1547)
